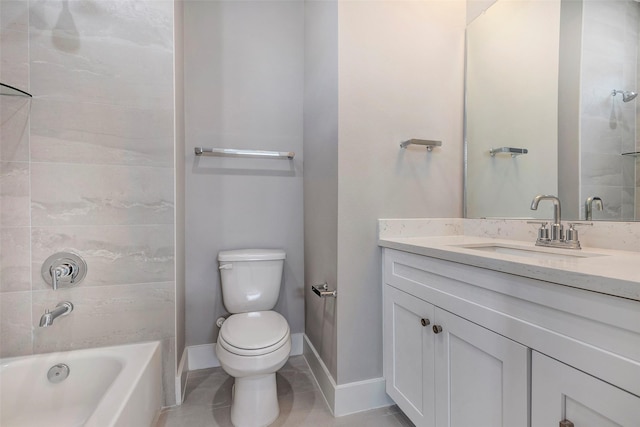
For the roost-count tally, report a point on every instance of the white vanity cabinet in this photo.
(443, 370)
(511, 351)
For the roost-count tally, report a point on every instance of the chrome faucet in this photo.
(588, 206)
(557, 237)
(61, 309)
(557, 233)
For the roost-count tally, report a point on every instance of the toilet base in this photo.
(254, 401)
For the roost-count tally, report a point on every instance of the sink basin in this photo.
(530, 252)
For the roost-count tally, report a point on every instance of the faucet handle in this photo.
(579, 224)
(572, 233)
(543, 231)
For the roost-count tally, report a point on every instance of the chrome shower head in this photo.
(626, 95)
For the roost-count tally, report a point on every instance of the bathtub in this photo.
(106, 387)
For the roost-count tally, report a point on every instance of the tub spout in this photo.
(61, 309)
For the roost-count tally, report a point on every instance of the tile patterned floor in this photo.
(208, 400)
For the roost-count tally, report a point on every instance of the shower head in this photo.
(626, 95)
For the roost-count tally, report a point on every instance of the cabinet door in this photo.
(408, 355)
(560, 392)
(482, 378)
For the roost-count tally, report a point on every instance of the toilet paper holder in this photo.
(323, 291)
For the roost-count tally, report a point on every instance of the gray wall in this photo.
(393, 83)
(321, 174)
(88, 166)
(243, 89)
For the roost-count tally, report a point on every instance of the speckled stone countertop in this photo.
(598, 269)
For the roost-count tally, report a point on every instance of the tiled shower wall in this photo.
(87, 166)
(608, 125)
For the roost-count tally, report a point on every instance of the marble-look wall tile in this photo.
(628, 171)
(15, 327)
(14, 43)
(14, 59)
(14, 128)
(114, 254)
(103, 316)
(142, 84)
(628, 204)
(100, 195)
(98, 178)
(15, 259)
(80, 132)
(14, 194)
(603, 18)
(75, 56)
(597, 136)
(14, 15)
(601, 169)
(600, 74)
(145, 23)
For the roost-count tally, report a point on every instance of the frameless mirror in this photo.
(551, 108)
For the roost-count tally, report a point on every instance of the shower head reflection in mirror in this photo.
(626, 95)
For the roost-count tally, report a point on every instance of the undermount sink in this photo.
(530, 252)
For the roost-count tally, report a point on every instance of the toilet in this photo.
(254, 342)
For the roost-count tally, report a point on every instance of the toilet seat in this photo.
(254, 333)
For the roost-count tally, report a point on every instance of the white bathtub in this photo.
(106, 387)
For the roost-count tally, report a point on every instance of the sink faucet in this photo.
(557, 233)
(61, 309)
(588, 206)
(557, 238)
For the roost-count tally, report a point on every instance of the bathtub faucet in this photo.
(61, 309)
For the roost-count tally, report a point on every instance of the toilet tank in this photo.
(250, 278)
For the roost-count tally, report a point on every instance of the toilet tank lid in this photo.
(252, 255)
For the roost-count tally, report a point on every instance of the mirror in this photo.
(550, 108)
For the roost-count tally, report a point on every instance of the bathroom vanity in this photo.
(493, 332)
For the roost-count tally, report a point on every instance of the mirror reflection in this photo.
(551, 95)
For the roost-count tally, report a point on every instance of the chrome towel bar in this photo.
(231, 152)
(510, 150)
(426, 142)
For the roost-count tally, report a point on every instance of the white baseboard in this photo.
(321, 374)
(348, 398)
(181, 377)
(361, 396)
(204, 356)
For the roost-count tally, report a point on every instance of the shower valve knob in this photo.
(63, 268)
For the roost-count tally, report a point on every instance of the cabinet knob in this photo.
(566, 423)
(437, 329)
(425, 322)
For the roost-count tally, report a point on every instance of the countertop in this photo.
(605, 271)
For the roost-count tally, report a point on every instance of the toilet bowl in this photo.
(251, 347)
(254, 342)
